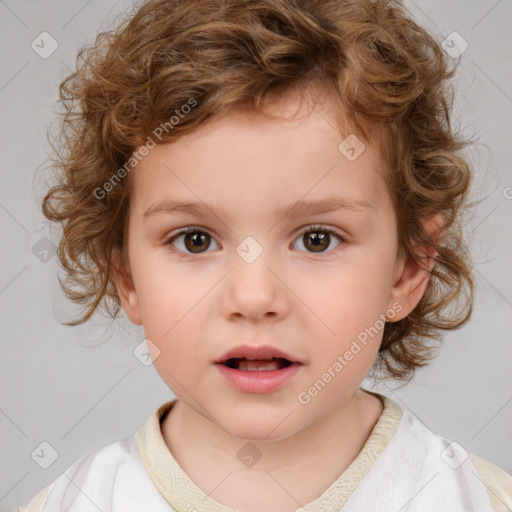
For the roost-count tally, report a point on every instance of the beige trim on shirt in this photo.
(183, 494)
(38, 502)
(497, 482)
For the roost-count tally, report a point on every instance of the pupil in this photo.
(318, 240)
(194, 240)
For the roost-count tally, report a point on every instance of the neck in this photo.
(286, 476)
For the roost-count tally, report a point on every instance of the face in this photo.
(242, 267)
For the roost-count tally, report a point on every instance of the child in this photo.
(307, 146)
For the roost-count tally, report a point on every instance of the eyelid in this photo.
(321, 227)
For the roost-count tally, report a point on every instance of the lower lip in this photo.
(264, 381)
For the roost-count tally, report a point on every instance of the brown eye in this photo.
(196, 241)
(191, 241)
(318, 239)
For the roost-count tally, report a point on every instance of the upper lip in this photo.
(255, 352)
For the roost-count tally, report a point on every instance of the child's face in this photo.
(315, 306)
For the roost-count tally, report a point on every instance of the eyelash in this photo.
(312, 228)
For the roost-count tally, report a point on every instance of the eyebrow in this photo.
(299, 208)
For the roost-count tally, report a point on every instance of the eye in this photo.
(195, 240)
(317, 238)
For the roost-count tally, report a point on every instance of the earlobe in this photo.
(412, 276)
(123, 281)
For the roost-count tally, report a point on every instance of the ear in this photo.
(411, 278)
(123, 281)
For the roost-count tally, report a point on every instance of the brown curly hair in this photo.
(389, 74)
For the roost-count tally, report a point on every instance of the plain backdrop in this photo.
(79, 388)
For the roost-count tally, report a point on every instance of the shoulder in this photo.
(474, 470)
(471, 471)
(448, 476)
(96, 474)
(38, 502)
(112, 477)
(497, 482)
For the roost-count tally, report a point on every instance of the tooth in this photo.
(258, 366)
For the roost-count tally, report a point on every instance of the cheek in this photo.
(180, 358)
(342, 364)
(351, 299)
(166, 294)
(171, 306)
(171, 320)
(349, 315)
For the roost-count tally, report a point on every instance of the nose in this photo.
(255, 290)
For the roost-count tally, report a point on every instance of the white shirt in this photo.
(403, 467)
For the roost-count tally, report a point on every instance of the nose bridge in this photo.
(252, 259)
(254, 289)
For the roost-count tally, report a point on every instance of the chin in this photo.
(257, 433)
(261, 426)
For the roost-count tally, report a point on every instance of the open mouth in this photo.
(257, 365)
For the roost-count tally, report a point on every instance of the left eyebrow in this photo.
(299, 208)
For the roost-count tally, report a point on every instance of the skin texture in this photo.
(312, 305)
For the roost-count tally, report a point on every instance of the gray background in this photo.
(81, 388)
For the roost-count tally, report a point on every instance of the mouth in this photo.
(257, 365)
(263, 369)
(262, 358)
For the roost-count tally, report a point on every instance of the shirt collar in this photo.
(184, 495)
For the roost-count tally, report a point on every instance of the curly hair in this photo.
(389, 74)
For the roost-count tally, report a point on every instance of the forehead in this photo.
(244, 155)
